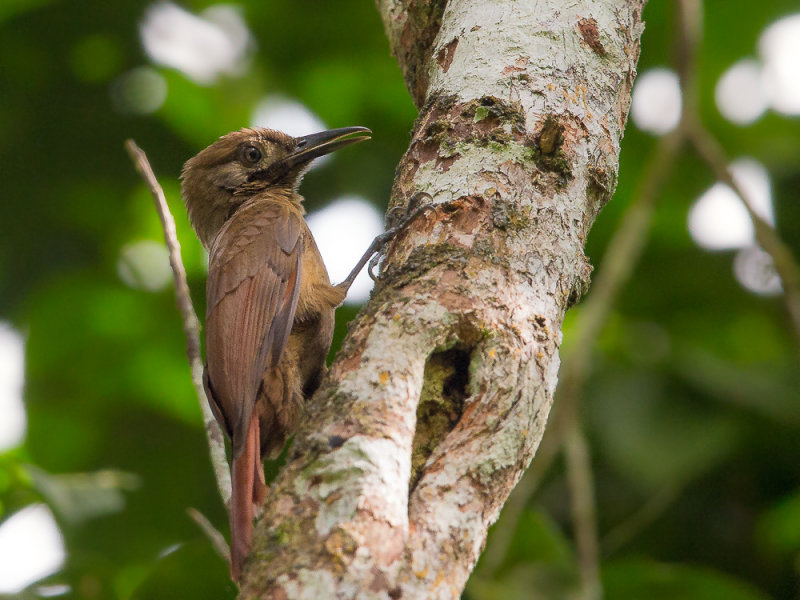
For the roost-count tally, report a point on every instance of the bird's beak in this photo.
(315, 145)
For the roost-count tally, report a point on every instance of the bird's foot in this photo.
(374, 253)
(408, 213)
(418, 204)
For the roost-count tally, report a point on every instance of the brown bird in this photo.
(270, 303)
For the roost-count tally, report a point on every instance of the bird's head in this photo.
(248, 162)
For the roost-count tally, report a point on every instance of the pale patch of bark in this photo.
(517, 148)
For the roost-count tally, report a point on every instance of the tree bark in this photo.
(436, 404)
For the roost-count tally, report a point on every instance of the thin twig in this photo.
(635, 523)
(212, 533)
(711, 151)
(689, 34)
(191, 325)
(584, 513)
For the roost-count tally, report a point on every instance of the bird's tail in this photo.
(248, 489)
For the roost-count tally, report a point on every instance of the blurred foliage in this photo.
(692, 407)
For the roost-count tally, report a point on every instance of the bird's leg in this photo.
(373, 253)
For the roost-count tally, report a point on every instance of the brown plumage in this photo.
(270, 303)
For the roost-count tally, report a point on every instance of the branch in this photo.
(616, 267)
(623, 253)
(191, 325)
(621, 256)
(497, 548)
(517, 146)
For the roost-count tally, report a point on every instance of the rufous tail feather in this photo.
(244, 475)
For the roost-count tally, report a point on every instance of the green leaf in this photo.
(779, 527)
(635, 579)
(539, 539)
(549, 582)
(653, 438)
(539, 558)
(9, 8)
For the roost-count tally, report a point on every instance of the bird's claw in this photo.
(409, 212)
(395, 212)
(374, 261)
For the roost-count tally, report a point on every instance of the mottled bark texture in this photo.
(438, 400)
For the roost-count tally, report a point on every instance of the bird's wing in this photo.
(253, 284)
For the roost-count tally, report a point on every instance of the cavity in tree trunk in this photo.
(436, 404)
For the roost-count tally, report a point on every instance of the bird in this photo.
(270, 302)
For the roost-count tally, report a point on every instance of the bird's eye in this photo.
(252, 154)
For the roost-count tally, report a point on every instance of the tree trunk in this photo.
(436, 404)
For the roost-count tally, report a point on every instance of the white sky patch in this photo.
(12, 378)
(201, 47)
(286, 115)
(656, 102)
(719, 221)
(144, 265)
(741, 94)
(31, 547)
(230, 20)
(779, 46)
(140, 91)
(755, 271)
(290, 117)
(344, 230)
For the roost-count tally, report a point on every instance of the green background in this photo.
(691, 406)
